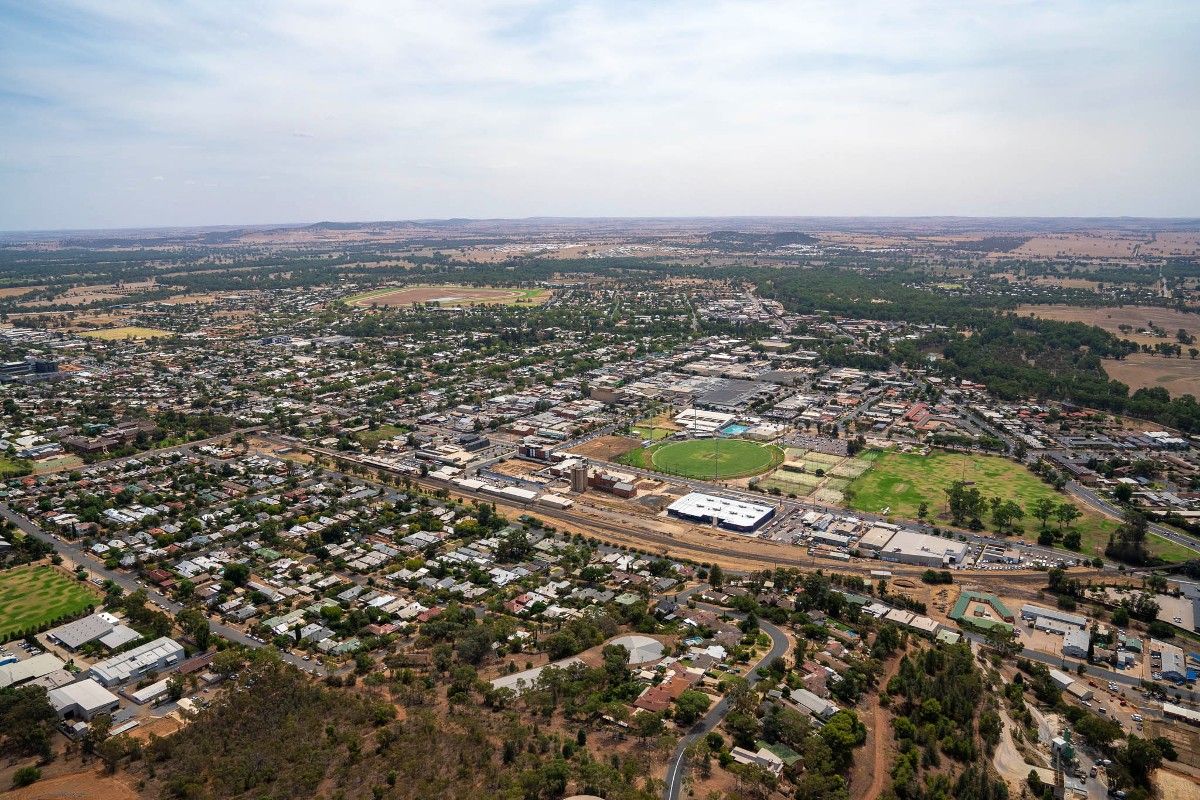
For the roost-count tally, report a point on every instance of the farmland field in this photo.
(1111, 319)
(708, 458)
(1179, 376)
(31, 596)
(901, 481)
(127, 332)
(447, 296)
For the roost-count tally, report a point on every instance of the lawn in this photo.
(370, 438)
(653, 434)
(32, 596)
(707, 458)
(901, 481)
(128, 332)
(13, 467)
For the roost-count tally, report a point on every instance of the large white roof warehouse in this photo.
(732, 514)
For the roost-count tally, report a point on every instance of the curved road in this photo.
(1097, 503)
(676, 767)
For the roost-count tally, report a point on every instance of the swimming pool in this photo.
(734, 429)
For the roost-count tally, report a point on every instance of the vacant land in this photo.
(1112, 320)
(1179, 376)
(606, 448)
(128, 332)
(370, 438)
(708, 458)
(901, 481)
(31, 596)
(447, 296)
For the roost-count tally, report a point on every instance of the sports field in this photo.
(31, 596)
(128, 332)
(447, 295)
(899, 482)
(707, 458)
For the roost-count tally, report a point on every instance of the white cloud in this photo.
(417, 109)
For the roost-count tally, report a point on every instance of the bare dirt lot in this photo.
(606, 448)
(1111, 320)
(1179, 376)
(88, 783)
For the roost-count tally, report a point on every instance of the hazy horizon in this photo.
(213, 114)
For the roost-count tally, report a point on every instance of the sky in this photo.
(141, 113)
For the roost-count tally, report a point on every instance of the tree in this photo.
(715, 576)
(1066, 513)
(690, 705)
(647, 725)
(1005, 514)
(27, 721)
(195, 624)
(236, 573)
(1120, 617)
(842, 733)
(25, 776)
(1043, 508)
(227, 662)
(1123, 493)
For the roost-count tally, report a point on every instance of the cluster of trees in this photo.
(942, 710)
(1128, 542)
(278, 734)
(968, 506)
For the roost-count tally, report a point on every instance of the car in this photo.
(1136, 718)
(1092, 772)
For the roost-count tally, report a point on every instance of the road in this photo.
(80, 557)
(1094, 501)
(677, 766)
(1092, 671)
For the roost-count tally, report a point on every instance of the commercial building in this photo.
(910, 547)
(1032, 613)
(703, 423)
(1076, 642)
(710, 509)
(83, 700)
(75, 635)
(1168, 660)
(150, 657)
(1172, 711)
(877, 538)
(20, 672)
